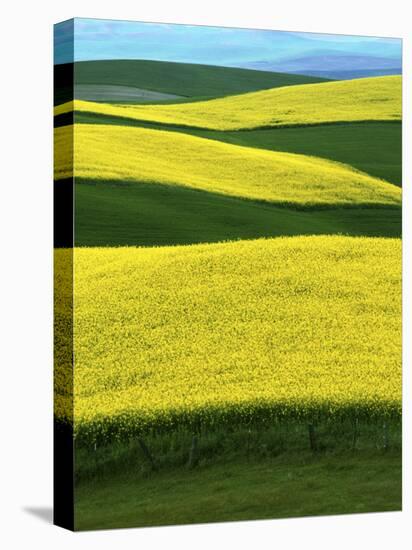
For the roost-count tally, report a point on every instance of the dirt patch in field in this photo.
(106, 92)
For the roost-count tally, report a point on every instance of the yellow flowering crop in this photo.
(252, 330)
(376, 98)
(63, 333)
(128, 154)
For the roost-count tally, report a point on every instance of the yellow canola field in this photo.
(261, 330)
(128, 154)
(376, 98)
(63, 333)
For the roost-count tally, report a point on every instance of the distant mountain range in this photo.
(348, 75)
(332, 65)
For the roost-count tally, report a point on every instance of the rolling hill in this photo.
(373, 147)
(125, 154)
(289, 327)
(182, 79)
(365, 99)
(109, 214)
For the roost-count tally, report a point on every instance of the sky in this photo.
(247, 48)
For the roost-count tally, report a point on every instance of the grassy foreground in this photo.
(108, 152)
(280, 487)
(377, 98)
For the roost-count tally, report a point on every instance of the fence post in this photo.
(385, 436)
(248, 444)
(355, 434)
(147, 453)
(193, 453)
(312, 438)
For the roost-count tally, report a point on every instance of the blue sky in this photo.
(269, 50)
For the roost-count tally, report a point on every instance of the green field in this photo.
(183, 79)
(109, 214)
(191, 81)
(293, 485)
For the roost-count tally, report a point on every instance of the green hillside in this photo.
(124, 154)
(372, 147)
(109, 214)
(117, 207)
(377, 98)
(186, 79)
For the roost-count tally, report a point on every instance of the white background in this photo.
(26, 273)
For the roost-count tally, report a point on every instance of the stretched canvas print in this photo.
(227, 274)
